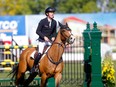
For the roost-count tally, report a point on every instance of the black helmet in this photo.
(50, 9)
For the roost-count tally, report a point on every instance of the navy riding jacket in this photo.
(44, 29)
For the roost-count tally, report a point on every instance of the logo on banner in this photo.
(9, 26)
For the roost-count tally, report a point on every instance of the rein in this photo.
(59, 44)
(50, 59)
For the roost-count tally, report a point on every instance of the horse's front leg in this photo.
(43, 80)
(58, 77)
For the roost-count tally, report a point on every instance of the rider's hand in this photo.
(53, 38)
(46, 39)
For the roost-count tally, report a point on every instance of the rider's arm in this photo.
(39, 29)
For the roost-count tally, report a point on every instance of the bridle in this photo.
(67, 39)
(60, 44)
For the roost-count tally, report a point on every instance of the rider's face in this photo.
(50, 14)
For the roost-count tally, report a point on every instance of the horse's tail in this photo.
(14, 72)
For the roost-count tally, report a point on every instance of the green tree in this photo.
(24, 7)
(77, 6)
(43, 4)
(90, 7)
(13, 7)
(112, 6)
(107, 5)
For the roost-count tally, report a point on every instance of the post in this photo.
(87, 52)
(96, 57)
(51, 82)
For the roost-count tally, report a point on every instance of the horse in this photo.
(51, 63)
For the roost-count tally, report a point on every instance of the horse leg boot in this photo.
(33, 70)
(29, 80)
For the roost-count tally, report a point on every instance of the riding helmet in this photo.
(50, 9)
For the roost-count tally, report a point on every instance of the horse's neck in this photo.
(58, 38)
(57, 48)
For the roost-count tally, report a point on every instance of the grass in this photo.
(67, 80)
(72, 74)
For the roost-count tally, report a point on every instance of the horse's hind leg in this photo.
(21, 73)
(29, 80)
(19, 78)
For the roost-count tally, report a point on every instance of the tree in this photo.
(13, 7)
(107, 5)
(90, 7)
(77, 6)
(43, 4)
(24, 7)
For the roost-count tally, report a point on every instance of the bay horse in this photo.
(51, 63)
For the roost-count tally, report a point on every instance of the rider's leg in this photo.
(38, 57)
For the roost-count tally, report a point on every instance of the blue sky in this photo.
(100, 18)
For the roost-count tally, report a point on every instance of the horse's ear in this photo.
(60, 24)
(66, 24)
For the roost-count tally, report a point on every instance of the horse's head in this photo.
(66, 34)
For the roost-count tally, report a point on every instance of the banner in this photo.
(12, 25)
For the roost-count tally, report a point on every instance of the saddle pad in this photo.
(32, 55)
(34, 52)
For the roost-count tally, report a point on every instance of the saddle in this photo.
(35, 53)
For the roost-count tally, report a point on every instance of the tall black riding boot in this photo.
(38, 57)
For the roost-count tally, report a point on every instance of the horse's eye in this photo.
(68, 28)
(63, 30)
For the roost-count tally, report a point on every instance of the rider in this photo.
(47, 31)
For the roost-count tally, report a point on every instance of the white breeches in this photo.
(42, 45)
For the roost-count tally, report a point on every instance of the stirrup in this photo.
(34, 69)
